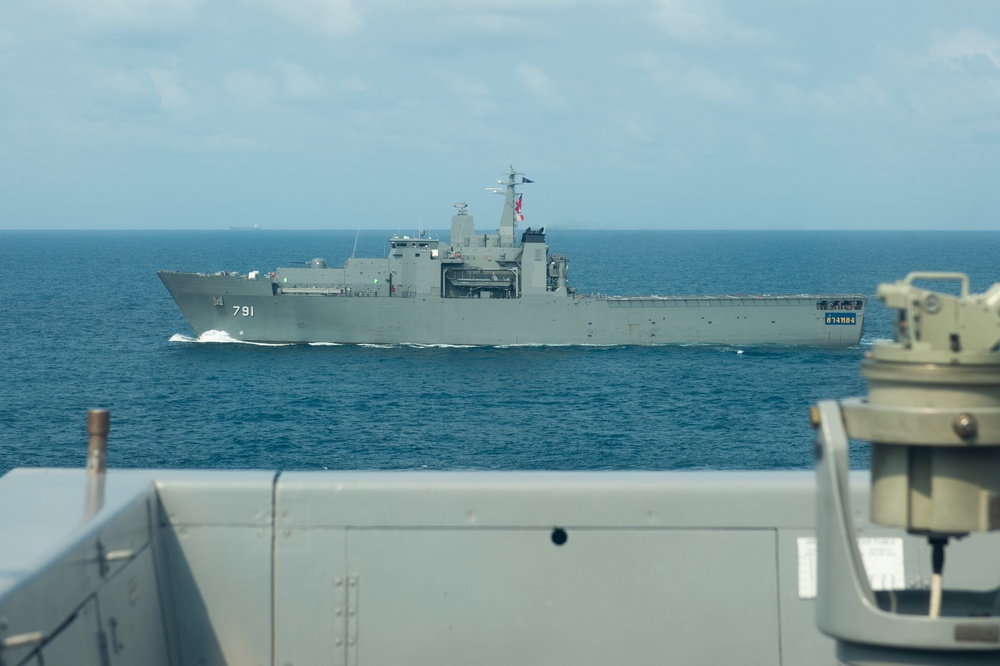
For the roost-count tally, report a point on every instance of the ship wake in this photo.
(221, 337)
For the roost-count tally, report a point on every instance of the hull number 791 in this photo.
(244, 310)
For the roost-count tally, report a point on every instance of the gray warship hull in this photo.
(252, 310)
(489, 289)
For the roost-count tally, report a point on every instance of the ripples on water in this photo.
(88, 324)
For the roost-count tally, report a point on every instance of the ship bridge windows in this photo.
(398, 243)
(847, 304)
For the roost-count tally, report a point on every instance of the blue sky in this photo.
(379, 114)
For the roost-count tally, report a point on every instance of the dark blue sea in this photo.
(85, 322)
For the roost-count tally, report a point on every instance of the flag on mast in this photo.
(517, 208)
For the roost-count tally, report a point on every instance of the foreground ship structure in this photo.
(489, 289)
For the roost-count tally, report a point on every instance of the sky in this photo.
(380, 114)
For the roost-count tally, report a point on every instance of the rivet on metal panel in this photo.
(338, 611)
(338, 641)
(965, 426)
(338, 581)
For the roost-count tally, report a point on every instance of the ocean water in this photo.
(85, 322)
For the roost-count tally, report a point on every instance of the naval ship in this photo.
(491, 289)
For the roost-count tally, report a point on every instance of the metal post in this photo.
(98, 424)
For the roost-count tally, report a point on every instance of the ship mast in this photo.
(511, 209)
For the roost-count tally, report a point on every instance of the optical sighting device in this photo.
(932, 418)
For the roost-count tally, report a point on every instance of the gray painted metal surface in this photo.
(424, 568)
(489, 289)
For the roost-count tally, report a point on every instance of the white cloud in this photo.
(796, 100)
(708, 84)
(680, 77)
(634, 125)
(703, 23)
(355, 83)
(283, 82)
(513, 6)
(487, 23)
(174, 97)
(250, 89)
(219, 142)
(337, 18)
(952, 87)
(471, 93)
(536, 83)
(123, 15)
(132, 93)
(297, 83)
(785, 65)
(960, 46)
